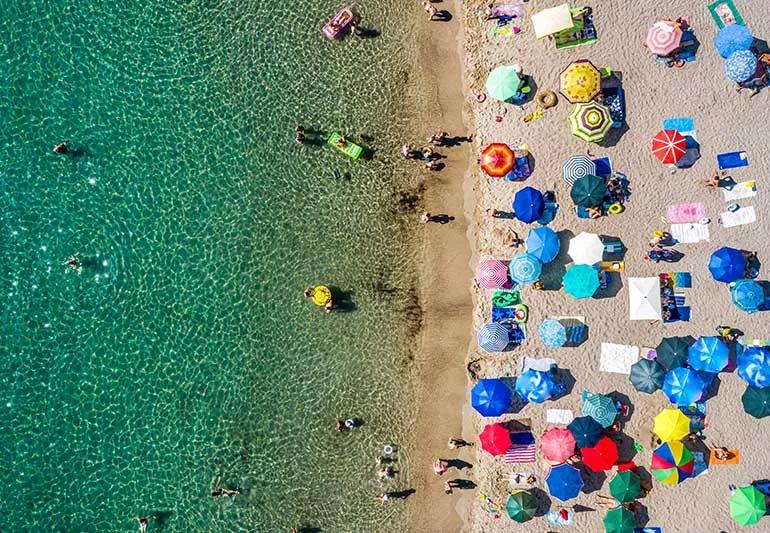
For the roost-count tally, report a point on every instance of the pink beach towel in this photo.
(684, 213)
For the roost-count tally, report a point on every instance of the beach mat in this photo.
(744, 189)
(617, 358)
(730, 160)
(684, 125)
(744, 215)
(734, 460)
(508, 11)
(559, 416)
(725, 13)
(685, 212)
(690, 233)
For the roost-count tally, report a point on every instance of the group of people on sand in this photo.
(440, 466)
(427, 154)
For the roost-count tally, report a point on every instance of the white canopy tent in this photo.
(552, 20)
(644, 299)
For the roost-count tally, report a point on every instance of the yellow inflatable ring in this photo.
(546, 99)
(322, 295)
(615, 208)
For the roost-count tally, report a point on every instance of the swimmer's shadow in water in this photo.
(343, 300)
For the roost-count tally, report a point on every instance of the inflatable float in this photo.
(321, 295)
(336, 26)
(352, 150)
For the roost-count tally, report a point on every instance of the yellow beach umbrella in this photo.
(580, 81)
(671, 424)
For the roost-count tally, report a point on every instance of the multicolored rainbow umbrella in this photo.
(497, 160)
(672, 463)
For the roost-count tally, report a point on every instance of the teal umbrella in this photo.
(588, 191)
(521, 505)
(581, 281)
(601, 408)
(503, 83)
(748, 295)
(756, 402)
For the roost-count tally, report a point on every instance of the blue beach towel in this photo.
(732, 160)
(603, 167)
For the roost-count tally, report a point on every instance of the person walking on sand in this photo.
(425, 218)
(447, 487)
(431, 9)
(406, 151)
(453, 443)
(440, 466)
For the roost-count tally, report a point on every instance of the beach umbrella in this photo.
(647, 376)
(493, 337)
(564, 482)
(756, 402)
(492, 274)
(495, 439)
(497, 160)
(601, 408)
(580, 81)
(521, 506)
(557, 444)
(727, 264)
(644, 299)
(534, 386)
(619, 520)
(581, 281)
(671, 424)
(601, 456)
(669, 146)
(708, 354)
(491, 397)
(672, 463)
(525, 269)
(590, 122)
(528, 205)
(683, 386)
(503, 82)
(588, 191)
(576, 167)
(754, 366)
(672, 351)
(552, 333)
(663, 38)
(543, 243)
(625, 486)
(747, 505)
(733, 38)
(586, 248)
(748, 295)
(740, 66)
(586, 431)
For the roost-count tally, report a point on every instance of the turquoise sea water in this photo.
(184, 348)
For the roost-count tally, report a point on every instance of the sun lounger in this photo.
(690, 233)
(725, 13)
(744, 215)
(732, 160)
(740, 191)
(685, 212)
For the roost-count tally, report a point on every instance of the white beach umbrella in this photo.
(552, 20)
(586, 248)
(644, 299)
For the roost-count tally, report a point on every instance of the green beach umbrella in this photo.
(625, 486)
(590, 121)
(756, 402)
(619, 520)
(503, 83)
(581, 281)
(588, 191)
(521, 506)
(747, 505)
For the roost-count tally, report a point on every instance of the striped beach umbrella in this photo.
(543, 243)
(495, 439)
(683, 386)
(754, 366)
(493, 337)
(491, 397)
(601, 408)
(497, 160)
(590, 122)
(733, 38)
(580, 81)
(581, 281)
(740, 66)
(525, 269)
(669, 146)
(492, 274)
(672, 463)
(576, 167)
(534, 386)
(564, 482)
(748, 295)
(747, 505)
(601, 456)
(552, 333)
(671, 424)
(557, 444)
(663, 38)
(756, 402)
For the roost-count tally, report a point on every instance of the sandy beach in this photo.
(725, 121)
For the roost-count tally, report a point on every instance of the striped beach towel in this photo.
(522, 448)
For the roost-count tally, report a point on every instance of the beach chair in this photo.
(614, 246)
(613, 266)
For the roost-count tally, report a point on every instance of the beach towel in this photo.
(617, 358)
(508, 11)
(559, 416)
(541, 365)
(679, 299)
(755, 342)
(699, 464)
(576, 329)
(725, 13)
(684, 125)
(744, 189)
(554, 518)
(744, 215)
(648, 529)
(581, 33)
(682, 280)
(603, 167)
(506, 297)
(732, 160)
(686, 212)
(522, 448)
(682, 314)
(690, 233)
(735, 458)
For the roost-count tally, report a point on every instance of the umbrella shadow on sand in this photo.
(554, 271)
(542, 500)
(614, 284)
(565, 382)
(592, 481)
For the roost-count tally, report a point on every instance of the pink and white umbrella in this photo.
(492, 274)
(663, 38)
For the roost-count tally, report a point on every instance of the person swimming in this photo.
(144, 521)
(222, 492)
(73, 262)
(61, 148)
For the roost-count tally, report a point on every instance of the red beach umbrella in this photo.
(663, 38)
(495, 439)
(669, 146)
(497, 160)
(601, 456)
(557, 444)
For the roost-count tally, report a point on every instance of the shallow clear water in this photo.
(184, 348)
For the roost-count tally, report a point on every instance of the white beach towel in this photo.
(618, 358)
(744, 215)
(690, 233)
(744, 189)
(559, 416)
(541, 365)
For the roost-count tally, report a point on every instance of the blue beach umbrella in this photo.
(525, 269)
(493, 337)
(543, 243)
(586, 431)
(491, 397)
(581, 281)
(683, 386)
(564, 482)
(748, 295)
(727, 264)
(528, 205)
(601, 408)
(754, 366)
(708, 354)
(552, 333)
(733, 38)
(740, 66)
(534, 386)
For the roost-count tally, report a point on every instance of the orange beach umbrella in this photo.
(497, 160)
